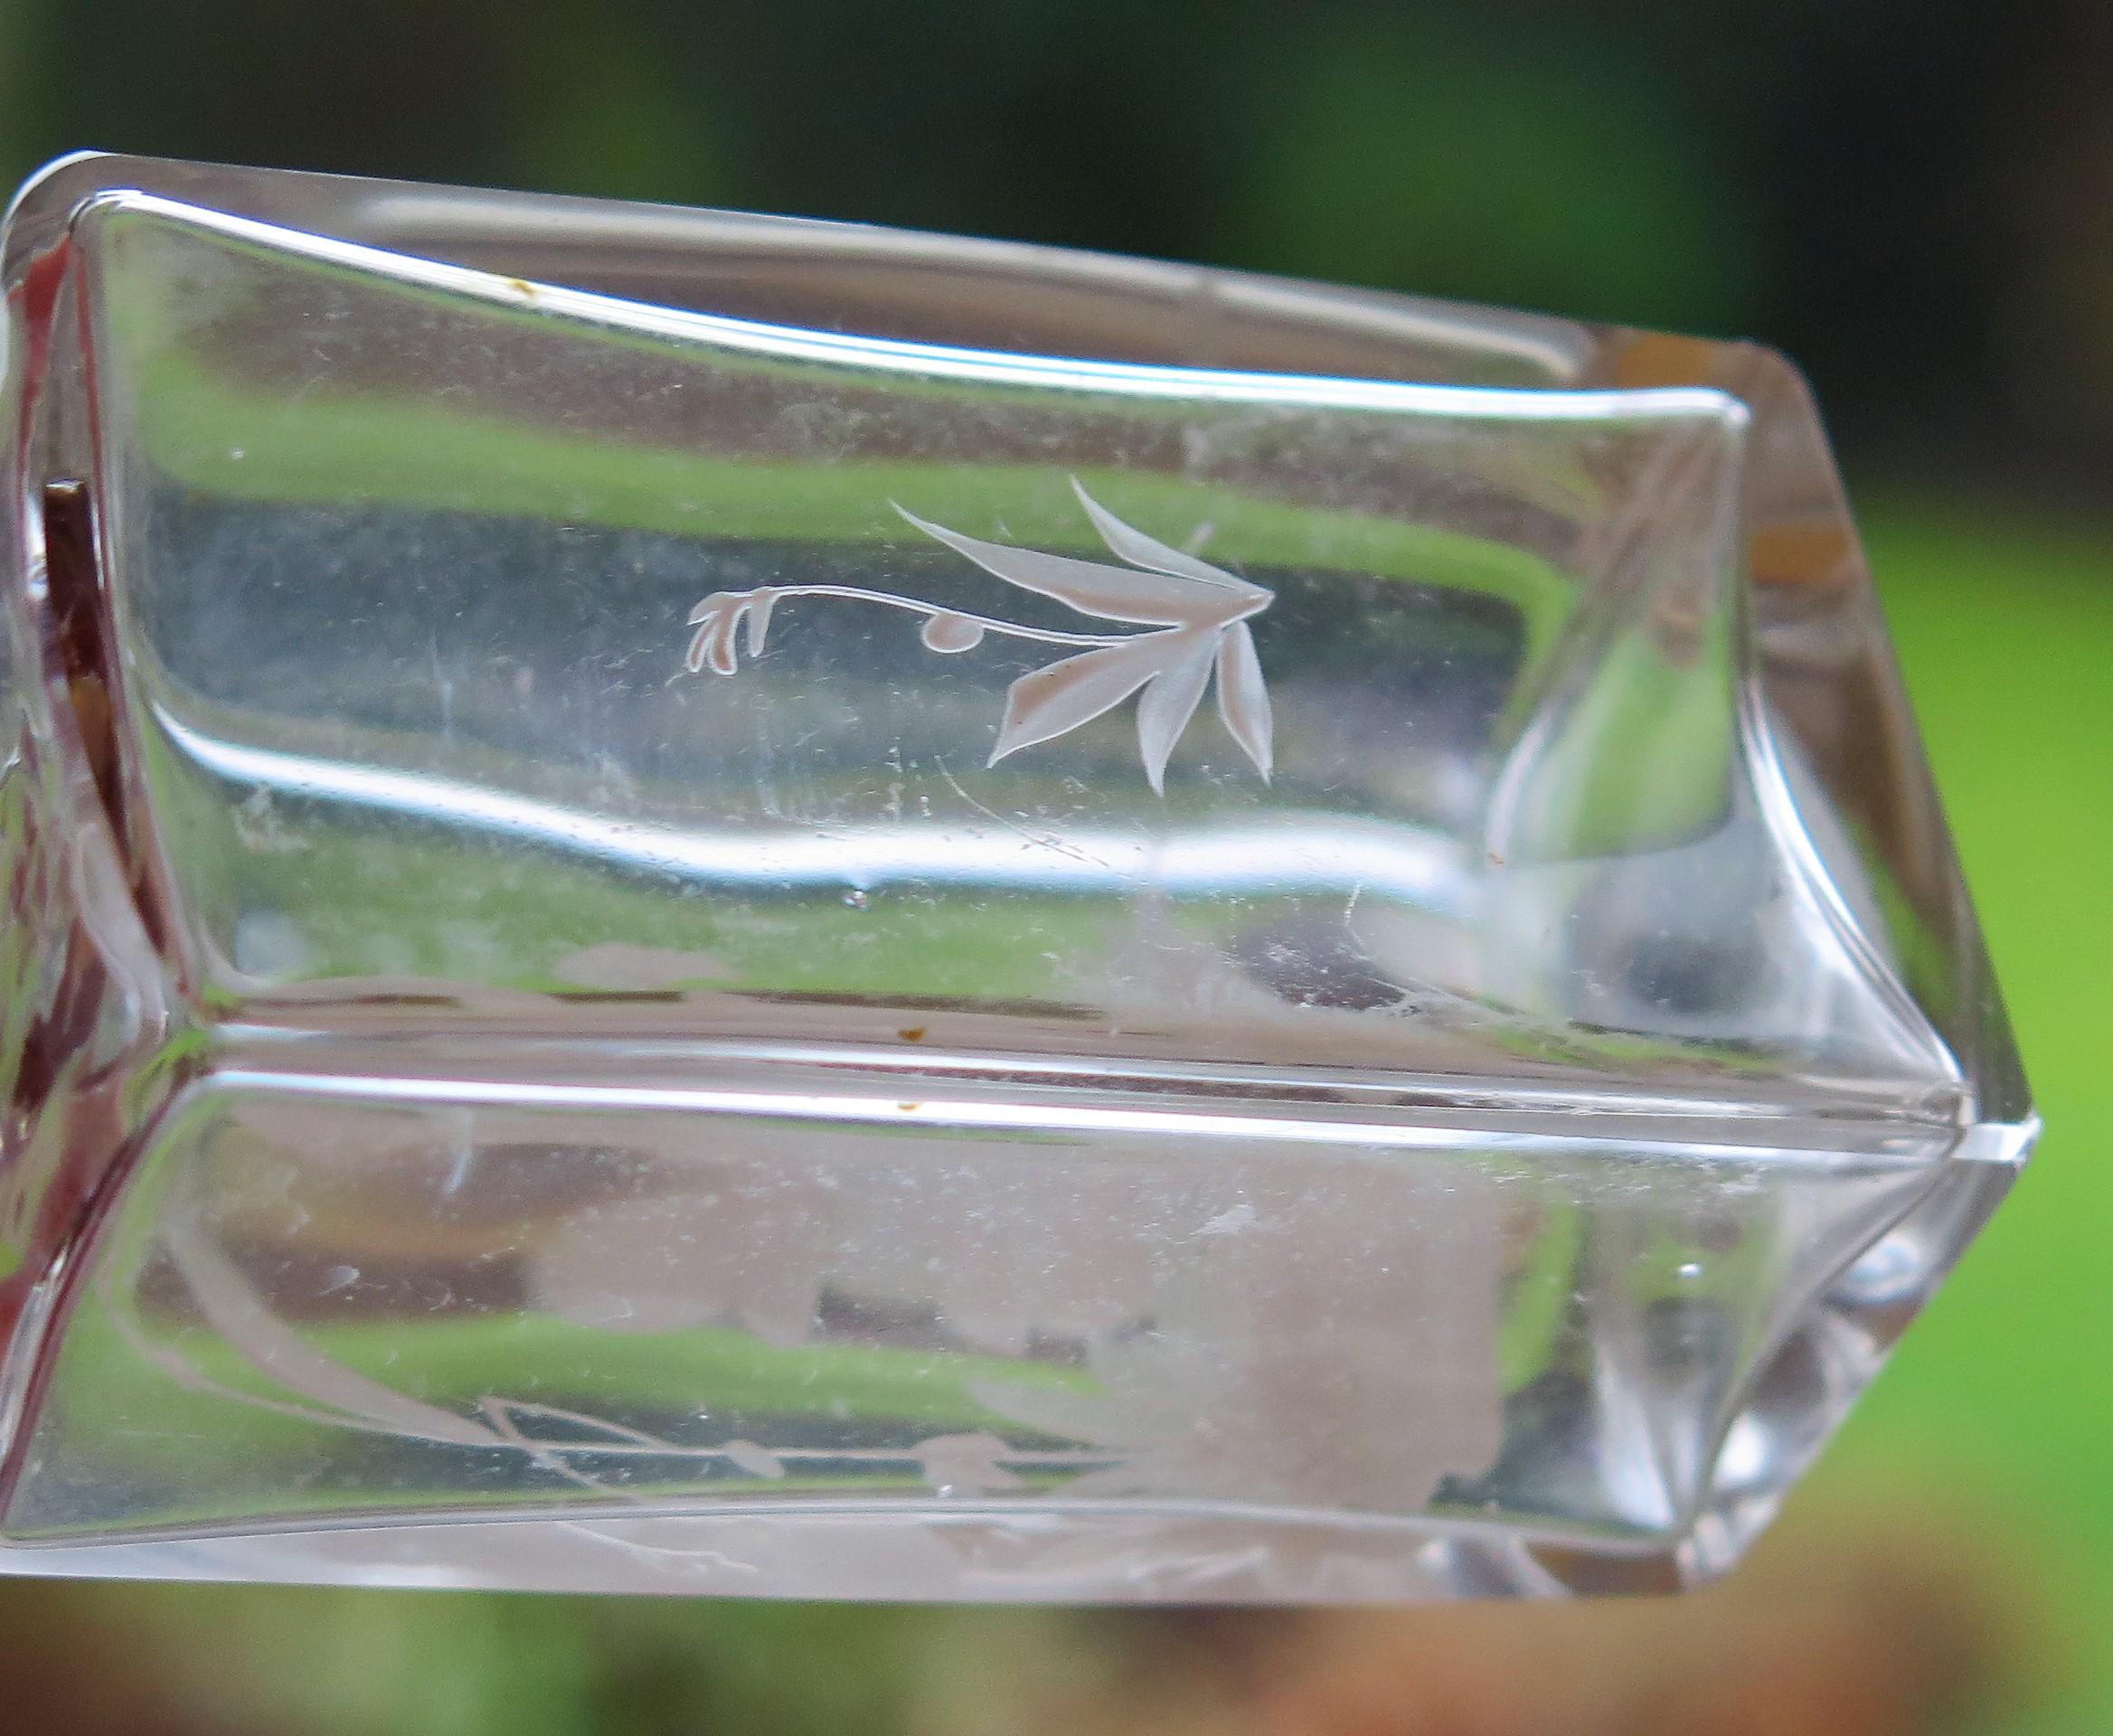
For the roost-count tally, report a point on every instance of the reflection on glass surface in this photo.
(761, 907)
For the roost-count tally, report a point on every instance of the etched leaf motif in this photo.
(761, 603)
(1061, 696)
(622, 966)
(1169, 700)
(757, 1461)
(701, 645)
(1243, 700)
(1113, 593)
(1198, 613)
(965, 1465)
(719, 618)
(224, 1297)
(712, 643)
(1141, 551)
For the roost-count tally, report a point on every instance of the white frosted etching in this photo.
(1197, 614)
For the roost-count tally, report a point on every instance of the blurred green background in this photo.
(1913, 197)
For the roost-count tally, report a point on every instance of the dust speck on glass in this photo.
(895, 1101)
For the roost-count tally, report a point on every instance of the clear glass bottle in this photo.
(704, 902)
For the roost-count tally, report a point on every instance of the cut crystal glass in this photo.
(701, 903)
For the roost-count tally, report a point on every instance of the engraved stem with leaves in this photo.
(315, 1388)
(1197, 615)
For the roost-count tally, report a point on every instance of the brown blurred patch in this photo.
(74, 1665)
(1843, 1623)
(1837, 1625)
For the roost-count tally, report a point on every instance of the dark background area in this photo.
(1914, 198)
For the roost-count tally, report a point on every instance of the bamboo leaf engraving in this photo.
(1113, 593)
(1058, 698)
(1169, 700)
(756, 1461)
(1197, 614)
(1141, 551)
(966, 1464)
(581, 1449)
(1243, 701)
(761, 604)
